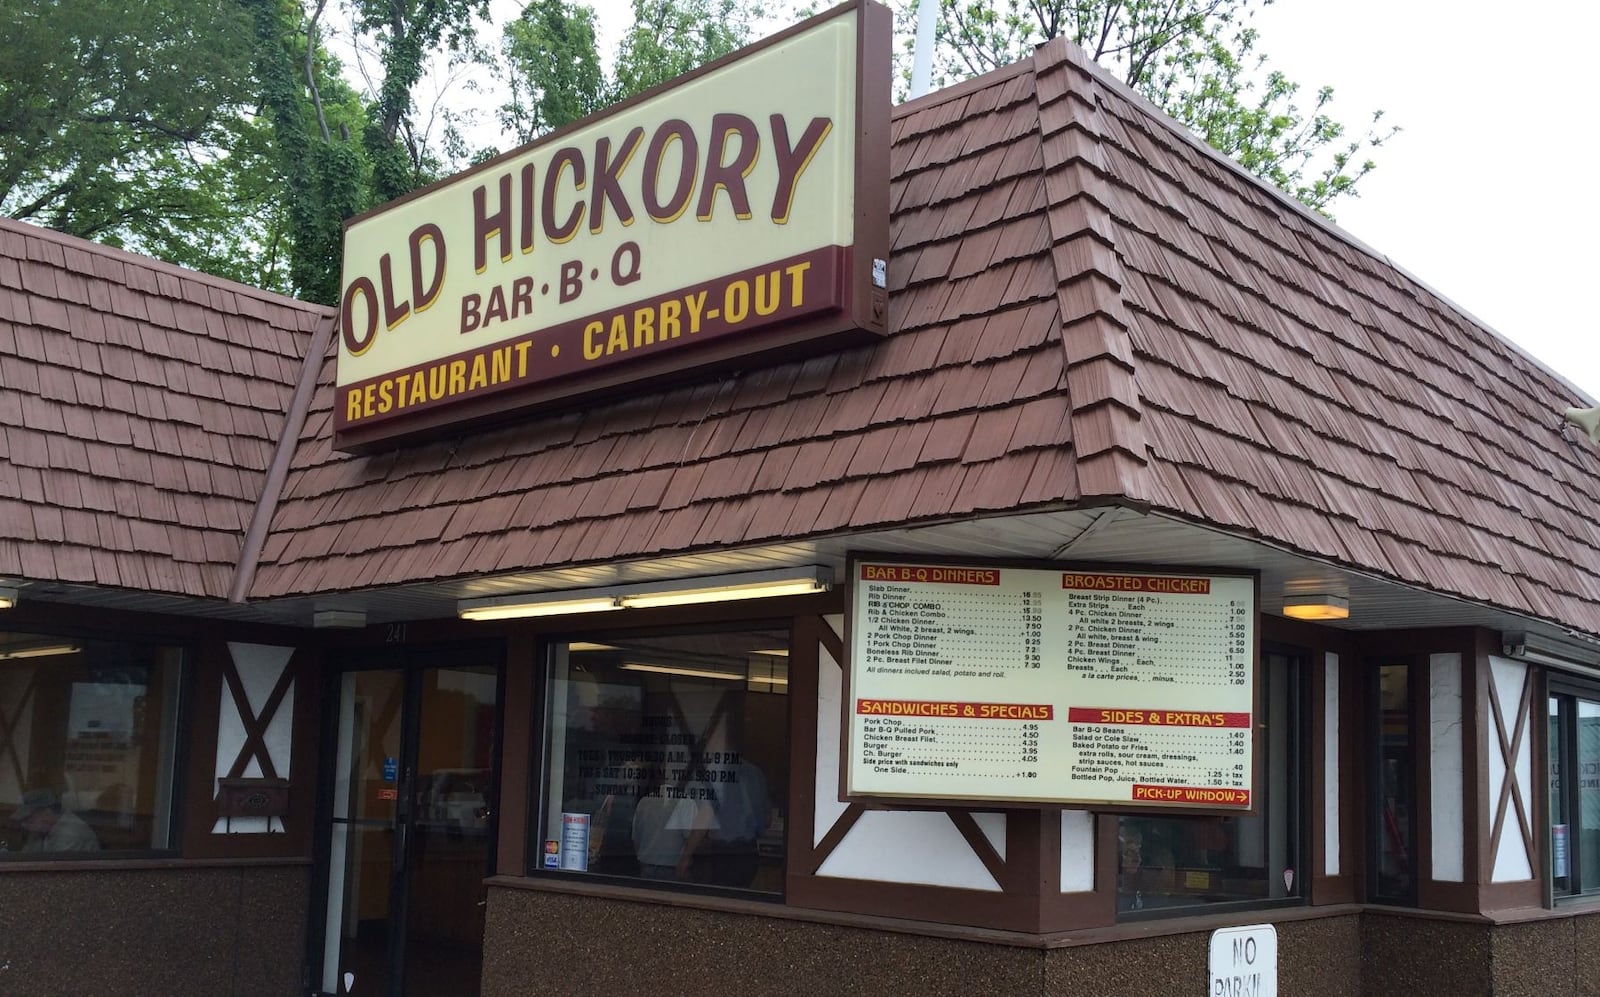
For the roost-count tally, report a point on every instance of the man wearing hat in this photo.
(49, 827)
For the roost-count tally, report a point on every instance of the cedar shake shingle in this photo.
(121, 424)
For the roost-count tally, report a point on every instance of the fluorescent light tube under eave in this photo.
(724, 593)
(699, 673)
(553, 607)
(48, 650)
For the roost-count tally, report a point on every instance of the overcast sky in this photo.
(1486, 194)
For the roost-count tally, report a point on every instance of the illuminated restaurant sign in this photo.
(742, 210)
(1083, 686)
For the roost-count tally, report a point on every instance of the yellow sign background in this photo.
(807, 76)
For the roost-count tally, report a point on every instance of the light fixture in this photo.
(1317, 606)
(644, 595)
(39, 651)
(339, 619)
(1541, 650)
(512, 607)
(8, 596)
(699, 673)
(727, 588)
(1586, 419)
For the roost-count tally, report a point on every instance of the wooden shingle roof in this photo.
(140, 406)
(1087, 305)
(962, 410)
(1295, 386)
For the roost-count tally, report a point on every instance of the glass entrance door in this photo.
(410, 830)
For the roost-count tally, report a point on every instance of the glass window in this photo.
(668, 758)
(1574, 793)
(1165, 864)
(1392, 826)
(88, 733)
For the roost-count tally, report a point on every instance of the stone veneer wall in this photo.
(542, 942)
(110, 932)
(1550, 957)
(554, 942)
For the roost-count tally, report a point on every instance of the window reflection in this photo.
(87, 740)
(668, 758)
(1176, 862)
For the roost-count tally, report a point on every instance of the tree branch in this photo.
(311, 75)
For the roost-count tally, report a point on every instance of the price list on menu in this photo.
(1085, 686)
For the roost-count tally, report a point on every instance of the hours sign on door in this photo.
(1083, 685)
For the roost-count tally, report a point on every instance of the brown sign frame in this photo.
(858, 310)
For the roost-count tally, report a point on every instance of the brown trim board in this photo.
(278, 471)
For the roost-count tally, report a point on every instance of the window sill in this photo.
(778, 910)
(15, 863)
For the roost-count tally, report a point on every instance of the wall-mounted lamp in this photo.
(339, 619)
(645, 595)
(8, 596)
(1317, 606)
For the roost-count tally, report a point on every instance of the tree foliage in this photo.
(404, 34)
(553, 64)
(671, 37)
(119, 117)
(1195, 59)
(555, 77)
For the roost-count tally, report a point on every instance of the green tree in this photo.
(1195, 59)
(553, 63)
(556, 76)
(405, 33)
(671, 37)
(120, 117)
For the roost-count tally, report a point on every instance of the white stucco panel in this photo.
(993, 827)
(1077, 851)
(259, 667)
(899, 846)
(1445, 761)
(1512, 863)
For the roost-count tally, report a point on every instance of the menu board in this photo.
(1051, 685)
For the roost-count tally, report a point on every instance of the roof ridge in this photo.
(1108, 432)
(266, 504)
(962, 88)
(1328, 225)
(29, 230)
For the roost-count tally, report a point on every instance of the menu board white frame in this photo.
(1119, 688)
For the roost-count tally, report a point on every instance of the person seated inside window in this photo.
(50, 827)
(668, 828)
